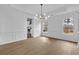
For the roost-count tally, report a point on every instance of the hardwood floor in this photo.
(39, 46)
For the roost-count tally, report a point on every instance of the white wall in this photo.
(12, 23)
(55, 28)
(36, 27)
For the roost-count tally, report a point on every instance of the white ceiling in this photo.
(47, 8)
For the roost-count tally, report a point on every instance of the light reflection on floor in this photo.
(44, 39)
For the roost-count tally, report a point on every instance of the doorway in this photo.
(29, 28)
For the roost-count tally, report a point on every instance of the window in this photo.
(68, 26)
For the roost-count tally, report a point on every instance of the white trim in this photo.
(2, 43)
(69, 34)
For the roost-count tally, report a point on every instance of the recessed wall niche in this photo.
(68, 26)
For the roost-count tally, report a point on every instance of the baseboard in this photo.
(2, 43)
(59, 39)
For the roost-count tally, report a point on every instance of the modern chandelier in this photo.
(42, 15)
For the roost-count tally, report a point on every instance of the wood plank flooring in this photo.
(40, 46)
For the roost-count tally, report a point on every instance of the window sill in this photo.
(68, 33)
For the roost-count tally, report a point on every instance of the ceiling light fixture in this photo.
(42, 15)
